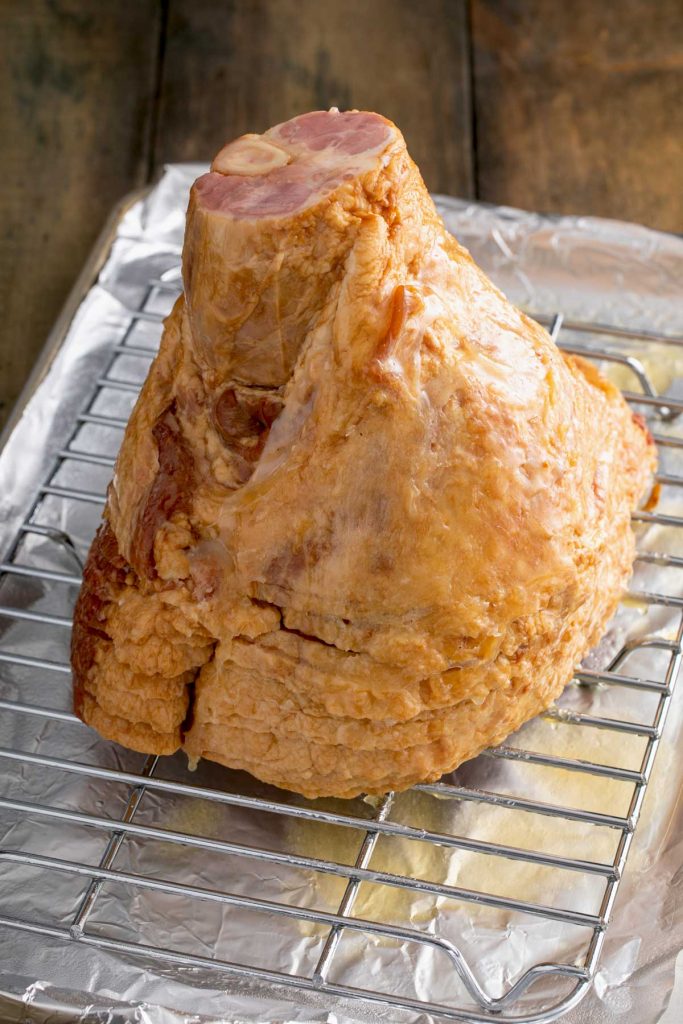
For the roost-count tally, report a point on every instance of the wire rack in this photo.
(78, 885)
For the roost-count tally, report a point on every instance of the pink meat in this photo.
(292, 165)
(351, 132)
(283, 191)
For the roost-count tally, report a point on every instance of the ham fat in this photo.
(366, 518)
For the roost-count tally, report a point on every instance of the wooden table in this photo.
(565, 107)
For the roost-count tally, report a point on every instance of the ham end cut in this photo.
(366, 518)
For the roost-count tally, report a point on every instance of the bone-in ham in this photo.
(366, 518)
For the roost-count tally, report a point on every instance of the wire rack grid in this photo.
(561, 982)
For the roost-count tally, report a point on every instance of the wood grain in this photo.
(579, 107)
(77, 81)
(233, 67)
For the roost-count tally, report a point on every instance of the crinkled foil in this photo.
(591, 270)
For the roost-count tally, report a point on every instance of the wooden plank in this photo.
(77, 80)
(578, 107)
(230, 68)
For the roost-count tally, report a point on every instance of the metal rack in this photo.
(565, 982)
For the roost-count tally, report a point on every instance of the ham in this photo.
(366, 517)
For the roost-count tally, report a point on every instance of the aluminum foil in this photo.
(591, 270)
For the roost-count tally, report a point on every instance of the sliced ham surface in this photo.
(294, 165)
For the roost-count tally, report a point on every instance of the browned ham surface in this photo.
(366, 517)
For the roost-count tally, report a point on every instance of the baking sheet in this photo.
(591, 270)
